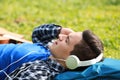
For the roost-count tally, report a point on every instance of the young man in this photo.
(49, 54)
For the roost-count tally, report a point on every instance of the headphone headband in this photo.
(73, 61)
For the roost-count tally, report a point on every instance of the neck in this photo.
(62, 62)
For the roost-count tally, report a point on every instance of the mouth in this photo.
(55, 42)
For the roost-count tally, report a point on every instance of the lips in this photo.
(54, 42)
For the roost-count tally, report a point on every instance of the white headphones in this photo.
(73, 61)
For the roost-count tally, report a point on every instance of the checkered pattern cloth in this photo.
(37, 70)
(45, 33)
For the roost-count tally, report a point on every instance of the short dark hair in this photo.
(89, 47)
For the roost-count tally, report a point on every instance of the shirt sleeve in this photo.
(45, 33)
(33, 71)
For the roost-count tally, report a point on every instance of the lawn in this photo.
(100, 16)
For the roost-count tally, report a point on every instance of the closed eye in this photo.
(67, 40)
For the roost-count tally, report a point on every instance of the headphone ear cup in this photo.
(72, 62)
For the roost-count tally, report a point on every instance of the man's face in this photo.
(62, 47)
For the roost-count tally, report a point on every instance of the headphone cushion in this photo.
(72, 62)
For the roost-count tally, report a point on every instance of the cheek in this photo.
(61, 48)
(61, 44)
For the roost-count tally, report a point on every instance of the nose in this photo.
(62, 37)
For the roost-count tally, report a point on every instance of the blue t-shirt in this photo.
(13, 56)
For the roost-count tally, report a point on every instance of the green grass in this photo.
(100, 16)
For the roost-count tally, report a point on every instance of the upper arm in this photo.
(45, 33)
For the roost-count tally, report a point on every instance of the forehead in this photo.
(76, 34)
(75, 37)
